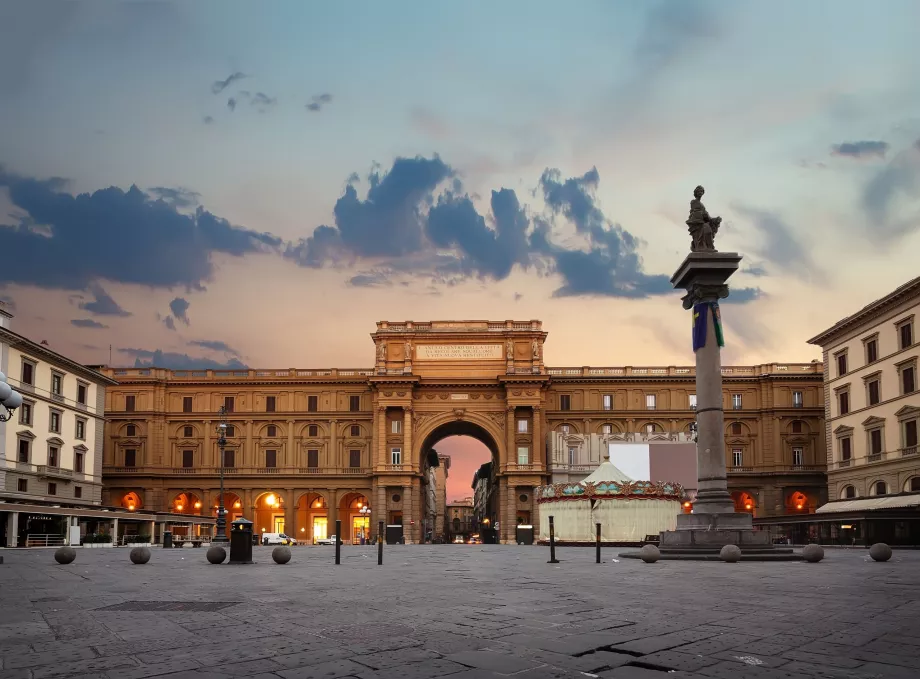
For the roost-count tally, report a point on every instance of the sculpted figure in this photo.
(509, 350)
(536, 349)
(408, 350)
(382, 352)
(702, 227)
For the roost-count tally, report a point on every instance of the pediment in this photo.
(907, 411)
(187, 443)
(129, 443)
(736, 441)
(55, 441)
(26, 435)
(873, 420)
(355, 443)
(843, 429)
(270, 443)
(81, 448)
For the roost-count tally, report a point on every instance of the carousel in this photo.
(627, 510)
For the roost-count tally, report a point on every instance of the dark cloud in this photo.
(111, 234)
(176, 197)
(169, 322)
(890, 193)
(231, 103)
(861, 149)
(756, 270)
(215, 345)
(262, 101)
(780, 244)
(220, 85)
(742, 295)
(102, 304)
(144, 358)
(208, 120)
(319, 101)
(179, 308)
(87, 323)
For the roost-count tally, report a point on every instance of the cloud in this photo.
(672, 29)
(169, 322)
(220, 85)
(429, 123)
(262, 101)
(756, 270)
(179, 308)
(860, 149)
(518, 296)
(231, 103)
(214, 345)
(780, 244)
(144, 358)
(892, 191)
(319, 102)
(103, 304)
(208, 120)
(91, 237)
(8, 302)
(87, 323)
(742, 295)
(176, 197)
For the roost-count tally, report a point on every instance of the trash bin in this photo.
(394, 534)
(240, 541)
(167, 538)
(524, 535)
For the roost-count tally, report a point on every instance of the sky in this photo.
(228, 183)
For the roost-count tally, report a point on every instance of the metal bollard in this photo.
(380, 544)
(338, 541)
(552, 541)
(598, 540)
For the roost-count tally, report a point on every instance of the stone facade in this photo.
(325, 444)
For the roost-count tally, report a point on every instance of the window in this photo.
(395, 455)
(873, 387)
(81, 393)
(271, 431)
(24, 453)
(846, 449)
(78, 492)
(78, 461)
(313, 459)
(565, 402)
(797, 427)
(573, 452)
(54, 422)
(737, 457)
(230, 458)
(313, 430)
(841, 359)
(269, 404)
(736, 429)
(27, 376)
(798, 457)
(875, 443)
(522, 426)
(736, 401)
(129, 404)
(130, 457)
(843, 402)
(692, 401)
(908, 379)
(354, 458)
(80, 428)
(188, 459)
(22, 486)
(354, 403)
(906, 334)
(881, 488)
(910, 437)
(188, 431)
(395, 426)
(25, 413)
(523, 455)
(229, 402)
(565, 429)
(52, 489)
(871, 350)
(915, 484)
(650, 401)
(54, 457)
(312, 403)
(231, 431)
(798, 399)
(271, 458)
(849, 492)
(606, 429)
(650, 428)
(57, 384)
(608, 401)
(355, 430)
(186, 404)
(130, 430)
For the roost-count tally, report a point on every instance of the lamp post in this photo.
(221, 528)
(365, 513)
(10, 399)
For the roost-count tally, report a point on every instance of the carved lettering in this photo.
(462, 352)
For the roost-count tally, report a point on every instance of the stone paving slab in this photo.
(457, 611)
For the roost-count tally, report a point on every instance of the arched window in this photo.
(913, 485)
(880, 488)
(848, 493)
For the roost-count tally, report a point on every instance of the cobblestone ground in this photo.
(459, 611)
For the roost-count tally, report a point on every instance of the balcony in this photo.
(574, 468)
(54, 472)
(397, 468)
(522, 467)
(237, 471)
(910, 450)
(779, 469)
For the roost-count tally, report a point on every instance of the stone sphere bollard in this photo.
(140, 555)
(813, 553)
(281, 555)
(216, 554)
(730, 554)
(649, 553)
(65, 555)
(880, 551)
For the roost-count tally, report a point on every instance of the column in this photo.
(292, 451)
(407, 513)
(510, 428)
(407, 456)
(538, 455)
(332, 511)
(334, 457)
(249, 456)
(114, 531)
(67, 524)
(381, 435)
(207, 455)
(509, 523)
(380, 510)
(152, 527)
(247, 508)
(290, 513)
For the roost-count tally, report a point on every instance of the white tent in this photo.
(627, 510)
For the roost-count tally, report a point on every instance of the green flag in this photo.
(717, 324)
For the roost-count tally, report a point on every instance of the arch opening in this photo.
(233, 505)
(268, 513)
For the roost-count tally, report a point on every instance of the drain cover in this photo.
(153, 606)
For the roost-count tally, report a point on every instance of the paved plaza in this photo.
(456, 610)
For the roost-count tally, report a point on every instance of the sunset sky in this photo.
(225, 183)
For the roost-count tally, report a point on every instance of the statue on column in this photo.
(509, 350)
(382, 352)
(408, 350)
(702, 227)
(536, 350)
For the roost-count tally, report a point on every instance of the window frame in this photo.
(81, 456)
(737, 401)
(870, 344)
(188, 404)
(396, 455)
(60, 420)
(314, 454)
(651, 401)
(312, 403)
(133, 457)
(396, 426)
(902, 325)
(188, 456)
(130, 403)
(77, 421)
(565, 401)
(800, 450)
(876, 379)
(57, 384)
(22, 485)
(28, 445)
(271, 404)
(271, 431)
(838, 356)
(313, 431)
(607, 402)
(523, 425)
(902, 368)
(54, 455)
(52, 488)
(354, 403)
(523, 453)
(33, 369)
(271, 458)
(843, 394)
(606, 429)
(82, 399)
(737, 458)
(27, 413)
(354, 430)
(230, 403)
(800, 401)
(354, 454)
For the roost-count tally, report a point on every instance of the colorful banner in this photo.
(701, 323)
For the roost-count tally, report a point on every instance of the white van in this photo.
(277, 539)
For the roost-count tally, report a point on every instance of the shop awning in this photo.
(870, 503)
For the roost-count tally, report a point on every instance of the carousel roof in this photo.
(605, 472)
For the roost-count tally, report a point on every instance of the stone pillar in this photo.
(509, 524)
(114, 531)
(291, 450)
(210, 460)
(290, 513)
(249, 457)
(381, 435)
(538, 456)
(332, 512)
(153, 531)
(510, 429)
(334, 458)
(407, 513)
(407, 456)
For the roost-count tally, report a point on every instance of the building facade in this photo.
(459, 522)
(872, 402)
(328, 444)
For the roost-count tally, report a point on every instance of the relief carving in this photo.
(388, 393)
(498, 419)
(459, 412)
(400, 393)
(517, 392)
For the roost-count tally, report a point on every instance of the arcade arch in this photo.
(131, 501)
(186, 503)
(233, 505)
(268, 513)
(311, 514)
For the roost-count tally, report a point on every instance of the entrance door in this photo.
(359, 529)
(279, 524)
(320, 526)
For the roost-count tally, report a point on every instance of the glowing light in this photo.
(236, 505)
(798, 506)
(303, 530)
(360, 505)
(686, 504)
(131, 507)
(178, 508)
(748, 505)
(270, 499)
(197, 505)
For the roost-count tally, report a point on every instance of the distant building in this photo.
(460, 521)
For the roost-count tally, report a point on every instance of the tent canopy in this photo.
(606, 471)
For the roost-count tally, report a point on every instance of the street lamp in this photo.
(10, 399)
(694, 432)
(221, 528)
